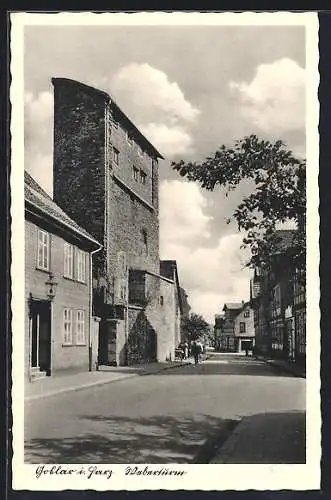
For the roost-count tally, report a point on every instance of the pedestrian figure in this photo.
(195, 351)
(179, 352)
(200, 349)
(185, 350)
(246, 351)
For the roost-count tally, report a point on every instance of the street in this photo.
(180, 415)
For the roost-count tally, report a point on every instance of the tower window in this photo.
(142, 177)
(144, 239)
(116, 156)
(129, 139)
(135, 173)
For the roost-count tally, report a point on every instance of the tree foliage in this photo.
(194, 327)
(279, 194)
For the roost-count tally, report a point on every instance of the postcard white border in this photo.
(196, 477)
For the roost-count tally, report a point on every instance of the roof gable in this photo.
(233, 305)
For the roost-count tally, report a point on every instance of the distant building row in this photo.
(278, 298)
(96, 291)
(274, 320)
(234, 329)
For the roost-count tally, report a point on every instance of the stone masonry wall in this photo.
(130, 223)
(96, 184)
(133, 225)
(89, 184)
(131, 157)
(79, 152)
(161, 315)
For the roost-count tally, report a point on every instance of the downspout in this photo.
(30, 335)
(91, 304)
(126, 361)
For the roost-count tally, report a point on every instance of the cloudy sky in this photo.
(189, 89)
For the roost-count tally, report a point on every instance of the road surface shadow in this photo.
(240, 367)
(262, 438)
(159, 439)
(224, 366)
(268, 438)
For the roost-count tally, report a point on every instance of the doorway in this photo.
(41, 335)
(107, 343)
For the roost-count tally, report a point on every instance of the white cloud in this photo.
(38, 132)
(181, 212)
(40, 166)
(275, 99)
(147, 87)
(157, 105)
(211, 275)
(39, 109)
(170, 140)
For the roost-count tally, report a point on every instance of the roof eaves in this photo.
(81, 233)
(109, 99)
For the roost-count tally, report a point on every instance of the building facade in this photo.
(168, 269)
(298, 343)
(234, 329)
(227, 333)
(278, 299)
(244, 331)
(112, 171)
(59, 327)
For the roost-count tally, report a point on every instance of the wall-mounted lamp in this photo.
(51, 286)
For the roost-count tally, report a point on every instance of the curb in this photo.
(211, 448)
(225, 451)
(77, 388)
(162, 369)
(284, 368)
(96, 383)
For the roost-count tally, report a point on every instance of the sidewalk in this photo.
(274, 438)
(285, 366)
(50, 386)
